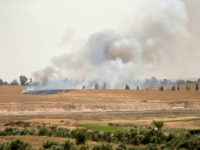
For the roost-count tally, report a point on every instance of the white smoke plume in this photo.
(162, 40)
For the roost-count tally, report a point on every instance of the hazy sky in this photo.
(32, 32)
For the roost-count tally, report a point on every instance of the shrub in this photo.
(18, 145)
(96, 147)
(81, 137)
(5, 146)
(69, 145)
(158, 124)
(135, 141)
(151, 146)
(24, 132)
(121, 146)
(133, 148)
(106, 147)
(118, 135)
(55, 147)
(61, 132)
(94, 137)
(170, 137)
(110, 124)
(48, 144)
(32, 132)
(84, 147)
(43, 131)
(154, 140)
(184, 144)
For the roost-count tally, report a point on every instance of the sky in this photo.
(65, 38)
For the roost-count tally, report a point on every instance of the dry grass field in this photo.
(12, 95)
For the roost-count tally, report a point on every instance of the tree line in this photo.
(23, 81)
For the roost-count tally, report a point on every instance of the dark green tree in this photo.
(197, 86)
(23, 80)
(127, 87)
(158, 124)
(187, 87)
(161, 88)
(178, 87)
(1, 82)
(5, 83)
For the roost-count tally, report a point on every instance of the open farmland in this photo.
(94, 110)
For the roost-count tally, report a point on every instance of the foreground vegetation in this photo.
(135, 138)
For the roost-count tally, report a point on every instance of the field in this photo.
(95, 109)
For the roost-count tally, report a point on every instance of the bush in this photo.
(121, 146)
(133, 148)
(69, 145)
(106, 147)
(94, 137)
(81, 136)
(43, 131)
(96, 147)
(158, 124)
(5, 146)
(84, 147)
(18, 145)
(151, 146)
(32, 132)
(154, 140)
(135, 141)
(55, 147)
(24, 132)
(184, 144)
(61, 132)
(48, 144)
(170, 137)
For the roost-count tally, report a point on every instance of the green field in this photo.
(103, 128)
(193, 119)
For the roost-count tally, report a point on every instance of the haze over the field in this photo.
(112, 41)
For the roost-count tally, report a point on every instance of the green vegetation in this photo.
(127, 139)
(193, 119)
(103, 128)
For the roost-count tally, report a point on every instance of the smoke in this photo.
(160, 40)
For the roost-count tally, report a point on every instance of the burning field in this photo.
(12, 102)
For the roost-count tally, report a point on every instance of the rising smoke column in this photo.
(156, 41)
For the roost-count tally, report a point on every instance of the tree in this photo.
(187, 87)
(14, 82)
(1, 82)
(198, 80)
(81, 136)
(137, 87)
(104, 85)
(158, 124)
(96, 86)
(30, 80)
(127, 87)
(161, 88)
(23, 80)
(173, 88)
(178, 87)
(5, 83)
(83, 87)
(197, 86)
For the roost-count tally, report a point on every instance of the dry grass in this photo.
(12, 95)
